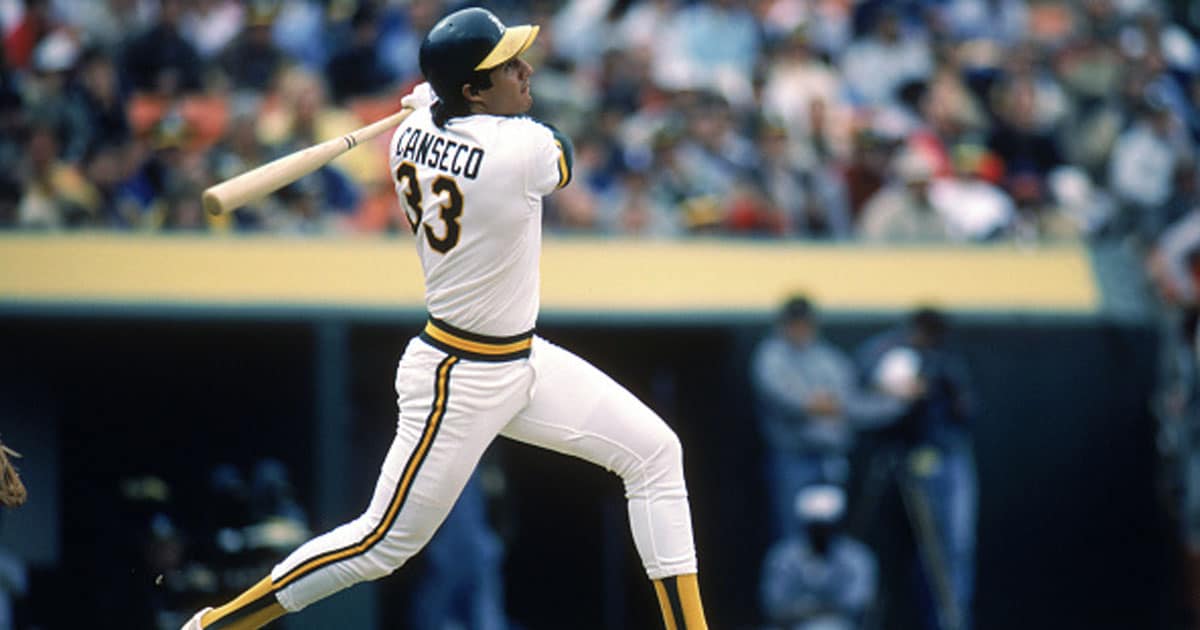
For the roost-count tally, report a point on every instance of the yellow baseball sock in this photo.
(249, 611)
(679, 600)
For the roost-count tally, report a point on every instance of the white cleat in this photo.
(194, 622)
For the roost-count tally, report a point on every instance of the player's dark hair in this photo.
(453, 103)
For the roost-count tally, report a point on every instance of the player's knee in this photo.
(385, 558)
(663, 463)
(375, 571)
(670, 450)
(382, 563)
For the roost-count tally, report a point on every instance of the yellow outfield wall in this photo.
(578, 275)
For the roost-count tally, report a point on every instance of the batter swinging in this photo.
(470, 173)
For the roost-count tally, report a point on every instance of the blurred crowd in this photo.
(902, 120)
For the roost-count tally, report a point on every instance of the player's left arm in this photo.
(550, 156)
(566, 151)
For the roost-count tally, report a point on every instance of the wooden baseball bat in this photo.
(261, 181)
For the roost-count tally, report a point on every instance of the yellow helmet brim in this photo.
(514, 41)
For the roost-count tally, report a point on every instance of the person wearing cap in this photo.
(901, 212)
(470, 170)
(818, 577)
(809, 407)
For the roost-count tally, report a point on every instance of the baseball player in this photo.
(470, 172)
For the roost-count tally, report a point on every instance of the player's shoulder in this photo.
(525, 127)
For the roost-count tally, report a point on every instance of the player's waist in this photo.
(469, 345)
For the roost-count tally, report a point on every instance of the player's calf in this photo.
(679, 600)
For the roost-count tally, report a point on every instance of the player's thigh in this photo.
(578, 410)
(450, 411)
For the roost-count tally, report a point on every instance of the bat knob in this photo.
(211, 203)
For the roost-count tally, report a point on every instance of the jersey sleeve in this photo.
(550, 159)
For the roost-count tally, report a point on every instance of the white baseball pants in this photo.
(451, 408)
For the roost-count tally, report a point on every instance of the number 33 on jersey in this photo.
(472, 192)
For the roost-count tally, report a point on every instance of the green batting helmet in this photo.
(466, 42)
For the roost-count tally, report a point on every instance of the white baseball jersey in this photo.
(473, 194)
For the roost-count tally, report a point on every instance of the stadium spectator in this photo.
(930, 437)
(876, 65)
(800, 202)
(1028, 152)
(251, 60)
(1142, 167)
(866, 170)
(401, 29)
(33, 21)
(56, 194)
(817, 577)
(901, 212)
(212, 25)
(1005, 22)
(796, 80)
(709, 45)
(850, 83)
(809, 407)
(356, 70)
(634, 209)
(96, 94)
(105, 167)
(48, 96)
(975, 209)
(161, 60)
(106, 24)
(715, 160)
(462, 585)
(306, 31)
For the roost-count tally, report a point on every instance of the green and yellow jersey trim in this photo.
(566, 155)
(564, 170)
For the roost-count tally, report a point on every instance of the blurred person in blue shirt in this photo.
(817, 577)
(875, 65)
(809, 408)
(463, 582)
(711, 44)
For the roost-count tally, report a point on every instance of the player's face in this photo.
(510, 93)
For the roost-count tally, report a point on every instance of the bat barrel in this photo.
(259, 182)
